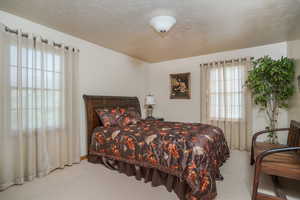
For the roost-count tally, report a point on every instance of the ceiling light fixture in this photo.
(162, 24)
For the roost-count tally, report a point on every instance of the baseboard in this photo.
(83, 157)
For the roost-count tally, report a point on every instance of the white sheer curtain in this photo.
(38, 108)
(225, 102)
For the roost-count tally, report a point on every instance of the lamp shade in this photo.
(150, 100)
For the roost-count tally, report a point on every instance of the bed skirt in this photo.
(155, 176)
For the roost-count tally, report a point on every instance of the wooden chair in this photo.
(276, 160)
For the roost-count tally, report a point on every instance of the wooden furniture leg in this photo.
(256, 180)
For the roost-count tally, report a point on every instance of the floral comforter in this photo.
(191, 151)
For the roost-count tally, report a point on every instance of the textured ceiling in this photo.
(203, 26)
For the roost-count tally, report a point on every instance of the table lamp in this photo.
(149, 102)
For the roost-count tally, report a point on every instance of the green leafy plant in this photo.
(271, 83)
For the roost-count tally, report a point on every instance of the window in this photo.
(36, 88)
(226, 93)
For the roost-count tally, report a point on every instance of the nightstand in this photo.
(155, 118)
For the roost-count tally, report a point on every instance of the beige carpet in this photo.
(88, 181)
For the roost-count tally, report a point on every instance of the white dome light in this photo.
(162, 24)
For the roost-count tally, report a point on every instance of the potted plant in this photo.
(271, 83)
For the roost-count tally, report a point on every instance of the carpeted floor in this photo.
(88, 181)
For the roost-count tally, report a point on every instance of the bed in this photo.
(184, 157)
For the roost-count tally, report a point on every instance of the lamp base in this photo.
(149, 118)
(149, 111)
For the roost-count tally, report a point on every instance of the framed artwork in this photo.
(180, 86)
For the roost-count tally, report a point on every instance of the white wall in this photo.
(101, 71)
(294, 52)
(189, 110)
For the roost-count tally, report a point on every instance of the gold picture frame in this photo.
(180, 86)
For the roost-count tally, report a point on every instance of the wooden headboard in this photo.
(94, 102)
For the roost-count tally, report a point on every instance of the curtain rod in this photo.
(226, 61)
(26, 35)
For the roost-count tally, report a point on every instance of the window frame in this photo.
(56, 88)
(220, 115)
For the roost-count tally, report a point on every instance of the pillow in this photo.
(109, 117)
(126, 120)
(129, 116)
(132, 112)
